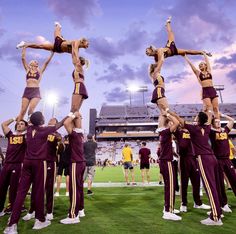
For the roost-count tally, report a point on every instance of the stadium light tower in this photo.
(52, 100)
(220, 88)
(134, 89)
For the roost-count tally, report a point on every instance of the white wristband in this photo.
(14, 119)
(167, 115)
(222, 115)
(167, 109)
(70, 114)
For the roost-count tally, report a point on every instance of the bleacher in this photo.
(140, 122)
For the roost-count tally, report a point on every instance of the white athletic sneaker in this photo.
(56, 194)
(67, 194)
(202, 206)
(169, 19)
(211, 222)
(40, 225)
(57, 24)
(70, 220)
(209, 213)
(81, 213)
(49, 216)
(29, 216)
(226, 209)
(2, 213)
(20, 45)
(183, 208)
(171, 216)
(11, 230)
(176, 211)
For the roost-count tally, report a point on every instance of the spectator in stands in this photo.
(1, 159)
(90, 147)
(63, 165)
(127, 157)
(144, 156)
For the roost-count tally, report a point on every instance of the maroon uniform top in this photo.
(52, 143)
(16, 148)
(220, 142)
(200, 138)
(166, 152)
(77, 147)
(36, 139)
(30, 75)
(185, 146)
(203, 77)
(144, 153)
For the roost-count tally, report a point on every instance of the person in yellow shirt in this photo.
(232, 159)
(127, 157)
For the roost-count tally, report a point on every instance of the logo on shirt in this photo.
(51, 138)
(221, 136)
(14, 140)
(186, 136)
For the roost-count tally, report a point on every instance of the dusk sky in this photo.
(118, 31)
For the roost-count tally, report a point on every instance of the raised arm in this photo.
(47, 62)
(23, 55)
(195, 70)
(60, 124)
(5, 126)
(230, 123)
(180, 120)
(160, 54)
(175, 122)
(75, 56)
(207, 62)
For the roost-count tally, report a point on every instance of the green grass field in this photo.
(129, 210)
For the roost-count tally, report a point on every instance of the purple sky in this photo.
(118, 31)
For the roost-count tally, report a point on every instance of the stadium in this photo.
(115, 125)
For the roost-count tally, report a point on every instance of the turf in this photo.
(129, 210)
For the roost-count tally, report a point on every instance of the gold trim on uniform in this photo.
(212, 202)
(159, 95)
(171, 209)
(73, 180)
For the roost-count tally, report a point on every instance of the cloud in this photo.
(124, 73)
(2, 90)
(227, 60)
(77, 12)
(131, 43)
(232, 75)
(197, 25)
(63, 101)
(116, 95)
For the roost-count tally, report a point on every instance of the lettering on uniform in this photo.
(221, 136)
(51, 138)
(16, 140)
(186, 135)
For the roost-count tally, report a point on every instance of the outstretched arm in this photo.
(207, 62)
(5, 126)
(68, 123)
(180, 120)
(75, 56)
(195, 70)
(23, 59)
(47, 62)
(160, 54)
(230, 124)
(174, 120)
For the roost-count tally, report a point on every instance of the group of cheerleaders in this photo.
(31, 96)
